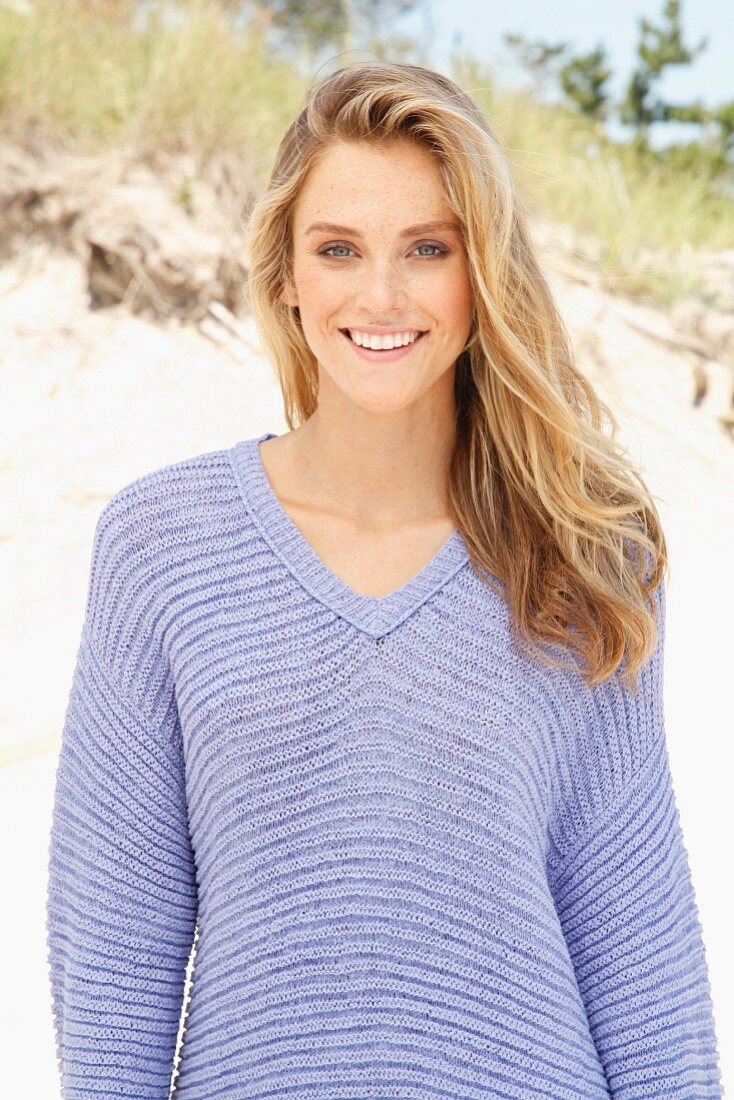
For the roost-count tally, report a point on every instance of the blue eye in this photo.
(438, 247)
(439, 250)
(327, 251)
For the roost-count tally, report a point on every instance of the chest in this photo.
(418, 734)
(369, 562)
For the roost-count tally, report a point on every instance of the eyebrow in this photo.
(425, 227)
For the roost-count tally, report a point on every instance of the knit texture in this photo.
(410, 860)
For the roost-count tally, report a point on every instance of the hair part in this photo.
(553, 512)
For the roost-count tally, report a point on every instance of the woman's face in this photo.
(375, 245)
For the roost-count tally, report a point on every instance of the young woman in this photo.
(372, 710)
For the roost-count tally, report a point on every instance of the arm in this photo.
(121, 896)
(626, 904)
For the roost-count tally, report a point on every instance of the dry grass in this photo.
(88, 76)
(85, 74)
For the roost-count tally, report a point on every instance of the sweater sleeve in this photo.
(627, 907)
(121, 893)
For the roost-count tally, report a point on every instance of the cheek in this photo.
(449, 297)
(317, 292)
(454, 306)
(319, 301)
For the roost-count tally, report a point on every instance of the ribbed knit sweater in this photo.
(410, 860)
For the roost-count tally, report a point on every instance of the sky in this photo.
(477, 27)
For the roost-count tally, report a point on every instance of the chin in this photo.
(381, 400)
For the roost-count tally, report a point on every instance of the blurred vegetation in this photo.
(98, 75)
(642, 210)
(197, 77)
(581, 79)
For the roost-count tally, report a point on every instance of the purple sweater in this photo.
(411, 862)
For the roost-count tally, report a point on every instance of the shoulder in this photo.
(143, 538)
(167, 491)
(158, 511)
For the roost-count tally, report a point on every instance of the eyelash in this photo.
(423, 244)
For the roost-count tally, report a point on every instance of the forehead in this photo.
(392, 181)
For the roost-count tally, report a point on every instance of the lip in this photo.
(387, 356)
(382, 330)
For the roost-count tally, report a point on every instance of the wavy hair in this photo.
(553, 513)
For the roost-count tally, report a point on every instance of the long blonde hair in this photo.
(551, 509)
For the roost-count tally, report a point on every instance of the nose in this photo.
(382, 290)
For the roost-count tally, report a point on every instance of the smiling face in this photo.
(376, 247)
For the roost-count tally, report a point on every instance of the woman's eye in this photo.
(331, 250)
(428, 244)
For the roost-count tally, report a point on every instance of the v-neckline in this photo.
(375, 615)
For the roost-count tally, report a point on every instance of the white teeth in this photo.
(383, 343)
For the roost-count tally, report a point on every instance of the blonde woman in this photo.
(372, 710)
